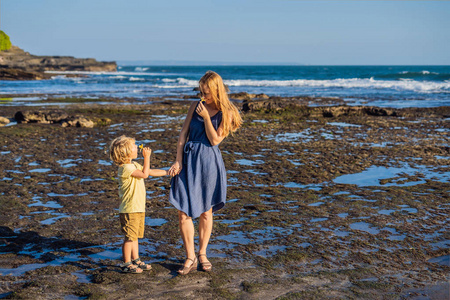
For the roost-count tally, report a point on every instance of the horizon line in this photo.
(216, 63)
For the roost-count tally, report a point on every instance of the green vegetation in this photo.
(5, 43)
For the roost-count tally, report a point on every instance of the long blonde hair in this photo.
(231, 117)
(120, 149)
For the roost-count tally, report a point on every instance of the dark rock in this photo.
(6, 231)
(251, 207)
(40, 116)
(56, 116)
(30, 117)
(262, 96)
(378, 111)
(47, 257)
(32, 66)
(278, 103)
(268, 104)
(17, 74)
(103, 121)
(336, 111)
(247, 96)
(242, 96)
(77, 121)
(53, 117)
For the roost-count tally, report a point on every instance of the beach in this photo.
(326, 199)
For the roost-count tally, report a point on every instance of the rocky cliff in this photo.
(17, 61)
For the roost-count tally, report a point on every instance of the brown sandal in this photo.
(206, 265)
(185, 270)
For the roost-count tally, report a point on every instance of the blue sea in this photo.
(384, 86)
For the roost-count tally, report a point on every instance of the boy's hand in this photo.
(146, 152)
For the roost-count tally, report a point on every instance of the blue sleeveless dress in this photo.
(202, 182)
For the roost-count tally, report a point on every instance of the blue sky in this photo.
(315, 32)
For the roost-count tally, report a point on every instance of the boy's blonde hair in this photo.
(120, 149)
(231, 117)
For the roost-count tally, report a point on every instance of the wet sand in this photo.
(323, 202)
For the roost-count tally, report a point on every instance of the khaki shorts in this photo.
(132, 225)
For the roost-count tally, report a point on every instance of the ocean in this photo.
(384, 86)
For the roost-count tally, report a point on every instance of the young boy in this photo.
(132, 196)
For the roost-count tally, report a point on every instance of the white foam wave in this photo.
(424, 72)
(170, 86)
(401, 85)
(136, 79)
(140, 69)
(404, 84)
(59, 77)
(118, 73)
(182, 82)
(417, 86)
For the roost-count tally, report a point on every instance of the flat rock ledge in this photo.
(52, 117)
(17, 74)
(278, 104)
(16, 64)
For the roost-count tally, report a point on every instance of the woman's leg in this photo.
(204, 232)
(187, 234)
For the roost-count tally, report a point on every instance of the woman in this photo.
(199, 185)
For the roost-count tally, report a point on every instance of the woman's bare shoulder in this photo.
(193, 106)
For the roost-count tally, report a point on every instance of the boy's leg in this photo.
(135, 250)
(139, 222)
(130, 229)
(136, 259)
(128, 266)
(127, 249)
(187, 234)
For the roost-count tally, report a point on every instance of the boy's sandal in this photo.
(206, 265)
(142, 265)
(130, 268)
(185, 270)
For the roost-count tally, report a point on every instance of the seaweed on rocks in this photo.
(323, 201)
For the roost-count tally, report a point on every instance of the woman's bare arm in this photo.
(214, 137)
(176, 167)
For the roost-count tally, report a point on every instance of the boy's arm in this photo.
(146, 152)
(158, 172)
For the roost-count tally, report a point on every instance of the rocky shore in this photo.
(16, 64)
(326, 201)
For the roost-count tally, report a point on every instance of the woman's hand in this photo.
(175, 169)
(202, 111)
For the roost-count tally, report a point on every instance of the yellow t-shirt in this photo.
(131, 189)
